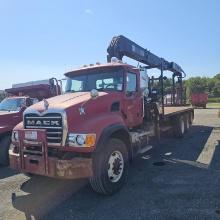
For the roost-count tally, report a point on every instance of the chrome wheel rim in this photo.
(116, 166)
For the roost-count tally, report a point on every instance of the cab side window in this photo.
(131, 83)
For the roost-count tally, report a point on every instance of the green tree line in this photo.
(211, 86)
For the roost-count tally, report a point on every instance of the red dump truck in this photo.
(108, 114)
(199, 100)
(20, 97)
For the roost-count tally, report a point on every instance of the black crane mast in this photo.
(121, 46)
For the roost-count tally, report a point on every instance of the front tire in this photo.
(4, 148)
(110, 168)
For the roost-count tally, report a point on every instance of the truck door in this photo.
(133, 101)
(21, 105)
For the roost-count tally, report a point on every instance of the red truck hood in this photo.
(65, 101)
(84, 113)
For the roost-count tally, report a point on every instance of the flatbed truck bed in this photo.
(176, 118)
(173, 110)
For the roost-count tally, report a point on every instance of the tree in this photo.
(217, 77)
(197, 84)
(211, 86)
(216, 89)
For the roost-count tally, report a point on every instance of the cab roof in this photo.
(91, 68)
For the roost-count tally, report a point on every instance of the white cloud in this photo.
(88, 11)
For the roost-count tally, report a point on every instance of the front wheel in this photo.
(110, 168)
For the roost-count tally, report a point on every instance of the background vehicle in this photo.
(109, 113)
(199, 99)
(2, 95)
(12, 108)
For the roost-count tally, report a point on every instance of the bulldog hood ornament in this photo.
(46, 104)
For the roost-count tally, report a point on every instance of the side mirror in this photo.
(22, 108)
(146, 92)
(94, 93)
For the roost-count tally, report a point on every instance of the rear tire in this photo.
(4, 148)
(179, 127)
(110, 168)
(187, 122)
(191, 118)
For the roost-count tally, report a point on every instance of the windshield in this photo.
(109, 80)
(12, 104)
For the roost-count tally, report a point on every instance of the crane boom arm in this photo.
(121, 46)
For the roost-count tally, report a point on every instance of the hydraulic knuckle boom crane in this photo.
(121, 46)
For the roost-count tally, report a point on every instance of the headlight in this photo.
(15, 137)
(72, 138)
(81, 140)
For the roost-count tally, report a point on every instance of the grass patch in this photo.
(213, 105)
(214, 100)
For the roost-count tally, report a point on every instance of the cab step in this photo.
(145, 149)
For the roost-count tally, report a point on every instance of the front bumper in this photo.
(74, 168)
(68, 169)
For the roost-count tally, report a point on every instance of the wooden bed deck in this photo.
(171, 110)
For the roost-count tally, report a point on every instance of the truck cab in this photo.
(101, 103)
(11, 112)
(20, 96)
(118, 91)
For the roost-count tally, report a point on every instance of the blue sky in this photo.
(41, 39)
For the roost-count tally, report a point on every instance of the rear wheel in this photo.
(187, 122)
(110, 168)
(191, 117)
(4, 147)
(179, 127)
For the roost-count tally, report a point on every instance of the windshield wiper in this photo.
(100, 89)
(70, 91)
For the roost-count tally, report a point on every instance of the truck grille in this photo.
(51, 122)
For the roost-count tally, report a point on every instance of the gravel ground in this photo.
(186, 185)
